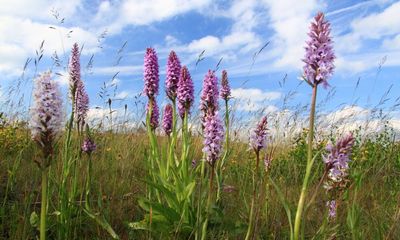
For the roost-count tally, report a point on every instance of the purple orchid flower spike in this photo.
(209, 94)
(225, 88)
(258, 138)
(167, 119)
(151, 75)
(213, 138)
(173, 74)
(154, 118)
(46, 120)
(185, 92)
(319, 55)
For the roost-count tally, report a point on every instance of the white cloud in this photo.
(244, 14)
(348, 113)
(358, 62)
(373, 26)
(290, 21)
(13, 59)
(117, 119)
(116, 15)
(350, 118)
(356, 55)
(241, 39)
(97, 114)
(124, 94)
(228, 46)
(62, 77)
(171, 41)
(127, 70)
(253, 99)
(38, 9)
(377, 25)
(23, 30)
(144, 12)
(392, 43)
(368, 127)
(103, 10)
(346, 64)
(352, 7)
(29, 35)
(113, 82)
(349, 43)
(255, 94)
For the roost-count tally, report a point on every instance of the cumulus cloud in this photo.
(118, 119)
(383, 28)
(117, 15)
(384, 23)
(125, 70)
(38, 9)
(254, 99)
(376, 26)
(125, 94)
(392, 43)
(227, 46)
(352, 117)
(171, 41)
(290, 21)
(62, 78)
(23, 32)
(242, 38)
(348, 113)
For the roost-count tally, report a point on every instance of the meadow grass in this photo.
(369, 209)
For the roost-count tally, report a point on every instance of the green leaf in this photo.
(168, 213)
(189, 189)
(169, 195)
(158, 224)
(102, 222)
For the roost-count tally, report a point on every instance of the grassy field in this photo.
(369, 209)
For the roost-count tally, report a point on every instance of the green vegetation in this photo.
(369, 209)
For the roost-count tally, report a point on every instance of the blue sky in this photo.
(366, 36)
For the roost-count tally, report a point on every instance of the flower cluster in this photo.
(77, 87)
(213, 137)
(209, 94)
(74, 69)
(154, 114)
(258, 138)
(81, 103)
(337, 161)
(225, 88)
(173, 74)
(88, 146)
(319, 56)
(332, 209)
(151, 77)
(151, 84)
(337, 166)
(185, 92)
(267, 162)
(167, 119)
(46, 113)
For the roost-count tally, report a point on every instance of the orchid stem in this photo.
(310, 162)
